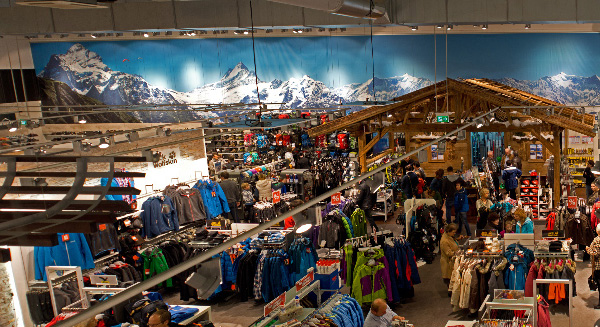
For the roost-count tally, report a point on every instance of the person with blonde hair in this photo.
(524, 224)
(483, 206)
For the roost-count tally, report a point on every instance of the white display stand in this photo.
(461, 323)
(202, 314)
(409, 206)
(383, 198)
(526, 240)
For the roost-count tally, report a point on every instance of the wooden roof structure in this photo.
(468, 98)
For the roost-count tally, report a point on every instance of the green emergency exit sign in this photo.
(443, 119)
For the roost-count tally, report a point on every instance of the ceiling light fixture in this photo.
(484, 27)
(103, 143)
(449, 27)
(146, 34)
(479, 123)
(13, 126)
(440, 26)
(527, 26)
(156, 34)
(168, 33)
(414, 28)
(93, 36)
(246, 32)
(81, 119)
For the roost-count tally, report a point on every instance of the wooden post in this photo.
(391, 140)
(556, 153)
(362, 154)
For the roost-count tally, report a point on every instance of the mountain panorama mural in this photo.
(79, 76)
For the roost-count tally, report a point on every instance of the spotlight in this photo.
(269, 31)
(109, 34)
(449, 27)
(86, 147)
(81, 119)
(151, 156)
(182, 33)
(217, 32)
(333, 29)
(164, 132)
(156, 34)
(13, 126)
(93, 36)
(321, 29)
(479, 123)
(103, 143)
(527, 26)
(475, 25)
(132, 137)
(439, 26)
(146, 34)
(484, 27)
(81, 35)
(236, 32)
(414, 28)
(492, 118)
(168, 33)
(32, 124)
(300, 31)
(48, 36)
(118, 34)
(294, 31)
(245, 32)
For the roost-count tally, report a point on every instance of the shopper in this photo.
(511, 176)
(404, 163)
(265, 192)
(380, 315)
(589, 178)
(366, 201)
(524, 224)
(439, 203)
(249, 197)
(233, 194)
(492, 165)
(436, 183)
(483, 206)
(420, 185)
(461, 206)
(419, 170)
(303, 162)
(594, 251)
(595, 197)
(161, 318)
(409, 183)
(494, 224)
(448, 248)
(448, 191)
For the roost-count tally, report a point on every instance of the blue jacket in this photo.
(511, 177)
(461, 202)
(227, 273)
(519, 259)
(215, 201)
(526, 228)
(74, 252)
(436, 185)
(114, 183)
(159, 216)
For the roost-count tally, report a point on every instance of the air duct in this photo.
(351, 8)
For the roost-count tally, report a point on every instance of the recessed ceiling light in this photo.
(146, 35)
(484, 27)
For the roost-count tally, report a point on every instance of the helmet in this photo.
(526, 182)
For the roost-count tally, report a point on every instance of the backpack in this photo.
(149, 309)
(135, 310)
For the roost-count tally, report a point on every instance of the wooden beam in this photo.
(379, 156)
(362, 154)
(437, 127)
(556, 153)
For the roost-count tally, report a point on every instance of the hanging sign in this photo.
(553, 234)
(305, 281)
(336, 198)
(104, 280)
(278, 303)
(443, 119)
(572, 202)
(486, 233)
(276, 196)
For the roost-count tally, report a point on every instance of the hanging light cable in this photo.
(254, 58)
(371, 6)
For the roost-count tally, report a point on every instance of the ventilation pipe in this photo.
(351, 8)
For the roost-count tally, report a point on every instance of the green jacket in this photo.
(359, 222)
(367, 275)
(154, 264)
(347, 227)
(363, 257)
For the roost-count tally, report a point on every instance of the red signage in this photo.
(336, 198)
(279, 302)
(305, 281)
(277, 196)
(572, 202)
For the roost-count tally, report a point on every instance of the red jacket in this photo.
(531, 276)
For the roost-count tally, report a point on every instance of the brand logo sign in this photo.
(167, 157)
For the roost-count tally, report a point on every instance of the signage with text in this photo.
(553, 233)
(277, 196)
(167, 157)
(572, 202)
(443, 119)
(486, 233)
(336, 198)
(305, 281)
(103, 280)
(278, 303)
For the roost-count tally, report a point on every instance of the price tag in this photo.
(279, 302)
(147, 271)
(336, 198)
(486, 233)
(305, 281)
(127, 222)
(135, 258)
(553, 234)
(572, 202)
(277, 196)
(134, 238)
(65, 238)
(102, 227)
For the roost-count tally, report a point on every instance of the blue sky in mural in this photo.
(186, 64)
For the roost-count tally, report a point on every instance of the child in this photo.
(249, 199)
(420, 185)
(461, 206)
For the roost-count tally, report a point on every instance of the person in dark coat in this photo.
(303, 162)
(366, 200)
(511, 176)
(409, 182)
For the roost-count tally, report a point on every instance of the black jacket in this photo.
(409, 184)
(366, 199)
(449, 187)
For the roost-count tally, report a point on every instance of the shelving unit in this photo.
(544, 201)
(530, 193)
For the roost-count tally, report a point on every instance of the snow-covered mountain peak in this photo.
(239, 73)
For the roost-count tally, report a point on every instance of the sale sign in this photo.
(336, 198)
(276, 196)
(305, 281)
(572, 202)
(279, 302)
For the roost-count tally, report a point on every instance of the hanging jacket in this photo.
(154, 264)
(531, 276)
(72, 250)
(104, 239)
(519, 259)
(511, 177)
(119, 182)
(369, 284)
(359, 222)
(188, 203)
(264, 190)
(543, 314)
(213, 197)
(159, 216)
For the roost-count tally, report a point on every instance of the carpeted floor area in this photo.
(429, 308)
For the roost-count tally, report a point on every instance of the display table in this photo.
(460, 323)
(202, 314)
